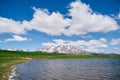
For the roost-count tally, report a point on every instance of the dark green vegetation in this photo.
(10, 58)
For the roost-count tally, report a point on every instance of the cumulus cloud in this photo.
(91, 45)
(115, 41)
(83, 20)
(11, 26)
(51, 23)
(16, 38)
(118, 16)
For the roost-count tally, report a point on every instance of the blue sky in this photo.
(93, 25)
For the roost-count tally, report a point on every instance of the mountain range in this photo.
(68, 49)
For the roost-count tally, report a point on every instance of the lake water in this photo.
(69, 69)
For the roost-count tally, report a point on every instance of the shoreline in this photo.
(11, 72)
(11, 58)
(9, 68)
(14, 67)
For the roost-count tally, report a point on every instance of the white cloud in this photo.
(11, 26)
(91, 45)
(16, 38)
(119, 15)
(103, 40)
(115, 41)
(59, 41)
(83, 20)
(116, 17)
(54, 43)
(43, 21)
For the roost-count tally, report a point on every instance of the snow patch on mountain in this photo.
(62, 49)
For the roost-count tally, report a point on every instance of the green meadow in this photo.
(10, 58)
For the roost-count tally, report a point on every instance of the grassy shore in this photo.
(10, 58)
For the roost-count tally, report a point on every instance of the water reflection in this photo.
(69, 69)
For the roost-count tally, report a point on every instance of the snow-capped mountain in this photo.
(62, 49)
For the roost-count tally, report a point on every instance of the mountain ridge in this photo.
(67, 49)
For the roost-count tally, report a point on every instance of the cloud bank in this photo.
(83, 20)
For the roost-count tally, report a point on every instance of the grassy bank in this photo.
(10, 58)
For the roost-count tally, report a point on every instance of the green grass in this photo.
(10, 58)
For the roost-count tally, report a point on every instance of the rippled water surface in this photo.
(69, 69)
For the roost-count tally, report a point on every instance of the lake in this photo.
(68, 69)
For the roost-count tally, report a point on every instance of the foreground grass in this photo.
(10, 58)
